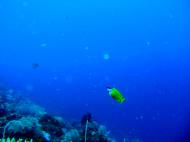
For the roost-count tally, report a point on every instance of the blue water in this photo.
(141, 47)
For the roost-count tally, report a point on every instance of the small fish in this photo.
(35, 65)
(116, 95)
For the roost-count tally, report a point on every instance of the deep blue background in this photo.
(148, 45)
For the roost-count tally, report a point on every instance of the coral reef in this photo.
(21, 120)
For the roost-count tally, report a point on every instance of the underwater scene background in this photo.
(63, 54)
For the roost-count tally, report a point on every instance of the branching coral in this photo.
(72, 136)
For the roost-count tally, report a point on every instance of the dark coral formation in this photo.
(19, 118)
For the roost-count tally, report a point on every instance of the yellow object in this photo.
(116, 95)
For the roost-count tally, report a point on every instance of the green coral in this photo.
(14, 140)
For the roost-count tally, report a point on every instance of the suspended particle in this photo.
(86, 48)
(43, 45)
(148, 43)
(106, 56)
